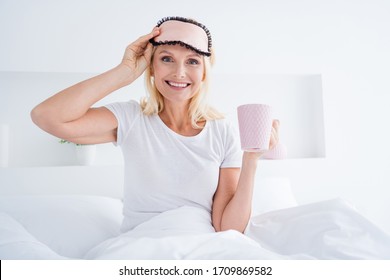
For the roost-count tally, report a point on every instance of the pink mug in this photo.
(255, 126)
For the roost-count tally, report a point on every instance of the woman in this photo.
(177, 150)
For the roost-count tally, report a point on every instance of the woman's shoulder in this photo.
(225, 132)
(125, 110)
(131, 105)
(222, 126)
(223, 122)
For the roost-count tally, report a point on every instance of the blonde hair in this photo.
(199, 110)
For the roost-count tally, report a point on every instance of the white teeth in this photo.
(182, 85)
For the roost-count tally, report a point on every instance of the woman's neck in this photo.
(177, 119)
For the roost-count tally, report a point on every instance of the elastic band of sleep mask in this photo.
(184, 32)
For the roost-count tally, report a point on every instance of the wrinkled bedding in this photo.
(183, 233)
(324, 230)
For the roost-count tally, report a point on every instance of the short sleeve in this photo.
(126, 113)
(232, 149)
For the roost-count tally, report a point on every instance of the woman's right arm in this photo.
(68, 114)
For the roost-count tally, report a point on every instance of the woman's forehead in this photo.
(176, 50)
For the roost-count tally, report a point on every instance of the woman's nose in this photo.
(180, 71)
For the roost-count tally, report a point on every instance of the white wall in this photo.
(346, 42)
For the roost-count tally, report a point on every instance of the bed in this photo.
(86, 226)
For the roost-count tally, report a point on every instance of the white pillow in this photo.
(272, 193)
(16, 243)
(69, 225)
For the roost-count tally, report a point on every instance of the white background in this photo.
(346, 42)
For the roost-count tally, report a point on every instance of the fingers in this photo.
(155, 32)
(144, 40)
(275, 125)
(138, 54)
(139, 46)
(274, 134)
(148, 52)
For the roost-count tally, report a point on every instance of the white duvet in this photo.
(183, 233)
(324, 230)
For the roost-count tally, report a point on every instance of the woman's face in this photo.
(178, 72)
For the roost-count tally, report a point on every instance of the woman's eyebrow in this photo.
(164, 51)
(195, 54)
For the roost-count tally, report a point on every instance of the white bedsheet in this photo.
(183, 233)
(326, 230)
(323, 230)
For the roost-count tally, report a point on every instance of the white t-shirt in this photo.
(165, 170)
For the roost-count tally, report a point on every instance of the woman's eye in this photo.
(166, 59)
(193, 61)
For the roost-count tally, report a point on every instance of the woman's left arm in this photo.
(233, 199)
(232, 203)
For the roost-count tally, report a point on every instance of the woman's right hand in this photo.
(138, 54)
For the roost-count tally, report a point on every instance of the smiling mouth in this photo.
(177, 85)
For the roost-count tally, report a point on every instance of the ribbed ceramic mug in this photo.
(255, 126)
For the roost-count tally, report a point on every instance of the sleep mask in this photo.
(184, 32)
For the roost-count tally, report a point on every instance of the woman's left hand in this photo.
(274, 140)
